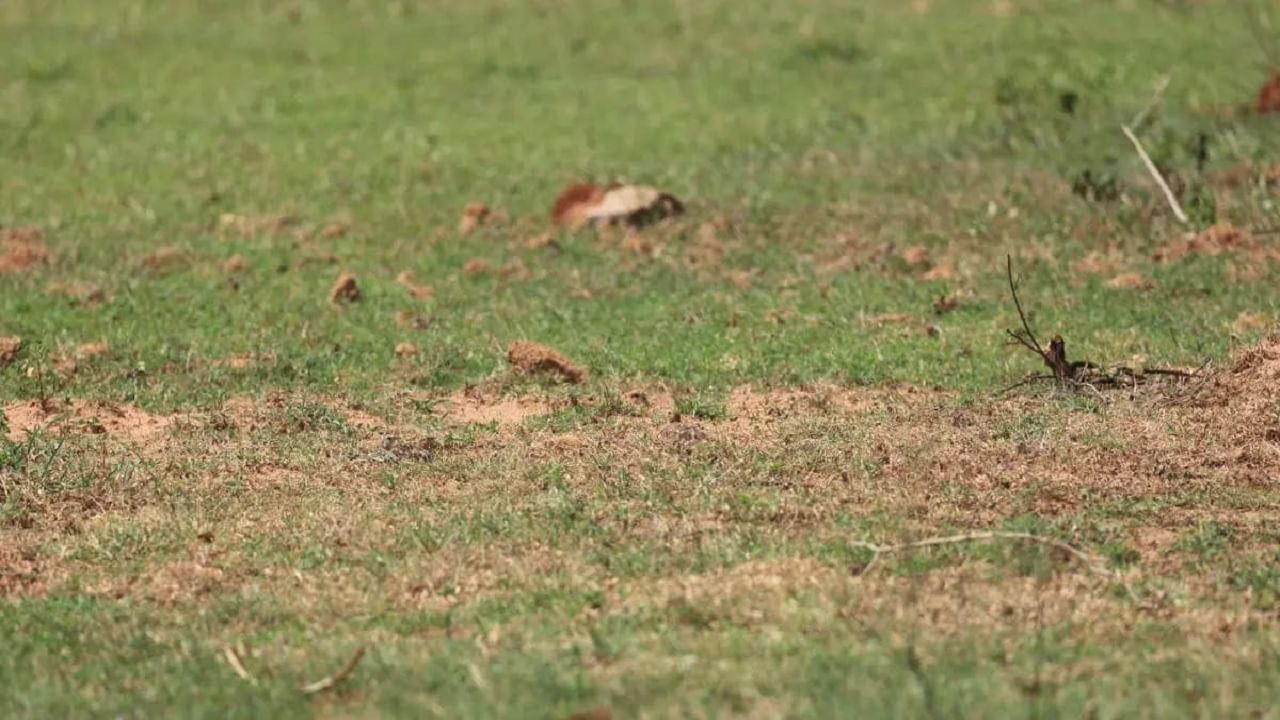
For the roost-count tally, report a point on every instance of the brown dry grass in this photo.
(1152, 465)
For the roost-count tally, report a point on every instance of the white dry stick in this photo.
(232, 657)
(1093, 564)
(1155, 173)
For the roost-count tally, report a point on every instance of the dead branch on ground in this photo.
(1078, 374)
(333, 680)
(1137, 122)
(234, 657)
(1093, 564)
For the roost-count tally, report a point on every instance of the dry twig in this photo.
(333, 680)
(232, 656)
(1093, 564)
(1141, 117)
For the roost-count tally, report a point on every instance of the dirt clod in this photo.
(165, 257)
(1269, 95)
(535, 359)
(9, 347)
(476, 266)
(420, 292)
(410, 320)
(1214, 240)
(916, 256)
(21, 235)
(21, 249)
(92, 350)
(247, 226)
(1130, 281)
(334, 230)
(344, 289)
(947, 303)
(514, 270)
(1247, 322)
(67, 363)
(538, 242)
(79, 293)
(473, 216)
(888, 319)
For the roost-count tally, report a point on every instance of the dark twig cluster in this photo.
(1078, 374)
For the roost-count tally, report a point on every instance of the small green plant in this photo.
(312, 417)
(1262, 579)
(1209, 540)
(702, 407)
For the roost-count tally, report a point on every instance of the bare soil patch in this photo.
(466, 407)
(123, 422)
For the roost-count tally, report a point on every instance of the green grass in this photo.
(136, 662)
(131, 127)
(490, 576)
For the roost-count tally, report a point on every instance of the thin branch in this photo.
(1093, 564)
(1023, 383)
(333, 680)
(1023, 341)
(1141, 117)
(1013, 290)
(1155, 173)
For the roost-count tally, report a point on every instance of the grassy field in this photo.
(202, 456)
